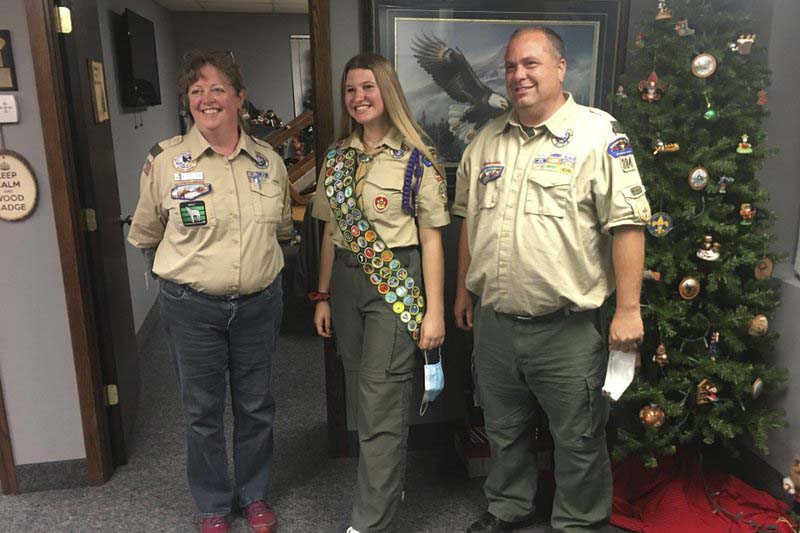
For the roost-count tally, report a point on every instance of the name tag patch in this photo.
(190, 191)
(490, 172)
(562, 163)
(620, 147)
(194, 213)
(188, 176)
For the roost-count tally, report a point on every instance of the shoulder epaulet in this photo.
(159, 147)
(261, 142)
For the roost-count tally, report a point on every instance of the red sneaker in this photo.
(214, 524)
(261, 517)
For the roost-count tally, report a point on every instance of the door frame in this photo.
(51, 92)
(8, 475)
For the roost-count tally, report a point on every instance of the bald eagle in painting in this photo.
(455, 76)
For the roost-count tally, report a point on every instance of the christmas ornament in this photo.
(660, 224)
(704, 65)
(747, 212)
(706, 392)
(764, 268)
(652, 90)
(708, 251)
(621, 92)
(757, 326)
(651, 275)
(661, 358)
(682, 28)
(713, 345)
(660, 146)
(762, 97)
(639, 43)
(689, 288)
(663, 11)
(744, 146)
(698, 178)
(710, 114)
(791, 485)
(743, 44)
(652, 416)
(757, 388)
(722, 183)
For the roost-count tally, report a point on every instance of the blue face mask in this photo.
(434, 378)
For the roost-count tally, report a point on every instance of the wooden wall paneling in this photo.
(8, 476)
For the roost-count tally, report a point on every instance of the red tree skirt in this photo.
(672, 499)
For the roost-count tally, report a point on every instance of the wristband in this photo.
(315, 296)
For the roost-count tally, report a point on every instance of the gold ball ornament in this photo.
(689, 288)
(652, 416)
(757, 326)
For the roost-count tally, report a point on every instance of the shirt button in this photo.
(236, 267)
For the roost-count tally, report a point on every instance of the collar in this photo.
(393, 139)
(198, 144)
(556, 124)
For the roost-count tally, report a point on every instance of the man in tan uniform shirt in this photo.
(554, 209)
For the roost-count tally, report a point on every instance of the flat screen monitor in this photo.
(137, 61)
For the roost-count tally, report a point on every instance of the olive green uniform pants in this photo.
(378, 355)
(559, 361)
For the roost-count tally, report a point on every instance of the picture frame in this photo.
(594, 31)
(8, 74)
(97, 81)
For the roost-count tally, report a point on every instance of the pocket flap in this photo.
(551, 179)
(633, 192)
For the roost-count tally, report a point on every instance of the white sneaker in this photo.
(351, 530)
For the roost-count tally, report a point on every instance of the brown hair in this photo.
(394, 102)
(195, 60)
(555, 41)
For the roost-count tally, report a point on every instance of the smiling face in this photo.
(534, 77)
(363, 100)
(214, 103)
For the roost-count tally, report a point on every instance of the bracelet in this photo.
(315, 296)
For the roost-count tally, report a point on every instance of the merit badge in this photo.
(184, 162)
(190, 191)
(698, 178)
(193, 213)
(261, 160)
(563, 140)
(381, 203)
(619, 147)
(704, 65)
(660, 224)
(490, 172)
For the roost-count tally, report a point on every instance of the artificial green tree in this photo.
(686, 128)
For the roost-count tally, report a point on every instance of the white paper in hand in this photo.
(621, 367)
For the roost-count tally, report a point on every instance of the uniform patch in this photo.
(490, 172)
(562, 163)
(190, 191)
(194, 213)
(257, 178)
(148, 166)
(627, 163)
(562, 141)
(261, 160)
(634, 196)
(619, 147)
(381, 203)
(443, 191)
(184, 162)
(188, 176)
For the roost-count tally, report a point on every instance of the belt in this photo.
(555, 315)
(221, 297)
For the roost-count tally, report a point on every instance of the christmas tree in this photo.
(692, 105)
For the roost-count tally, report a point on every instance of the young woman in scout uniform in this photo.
(381, 195)
(213, 205)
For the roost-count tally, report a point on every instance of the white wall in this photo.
(260, 43)
(36, 364)
(132, 142)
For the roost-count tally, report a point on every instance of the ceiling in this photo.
(238, 6)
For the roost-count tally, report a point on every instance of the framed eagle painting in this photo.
(449, 56)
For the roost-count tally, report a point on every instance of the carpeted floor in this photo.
(310, 492)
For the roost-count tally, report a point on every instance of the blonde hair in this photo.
(394, 102)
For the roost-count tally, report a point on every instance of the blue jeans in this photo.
(212, 338)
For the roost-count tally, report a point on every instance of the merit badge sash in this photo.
(389, 276)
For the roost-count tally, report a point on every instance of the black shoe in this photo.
(489, 523)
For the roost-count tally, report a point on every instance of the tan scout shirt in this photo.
(216, 220)
(539, 210)
(382, 195)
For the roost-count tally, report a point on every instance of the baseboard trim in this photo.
(54, 475)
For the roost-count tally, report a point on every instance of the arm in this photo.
(432, 332)
(463, 303)
(626, 329)
(322, 313)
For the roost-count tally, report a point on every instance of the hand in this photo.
(462, 309)
(431, 331)
(626, 331)
(322, 319)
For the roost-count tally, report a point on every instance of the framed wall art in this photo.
(449, 55)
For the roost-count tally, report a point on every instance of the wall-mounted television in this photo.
(137, 61)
